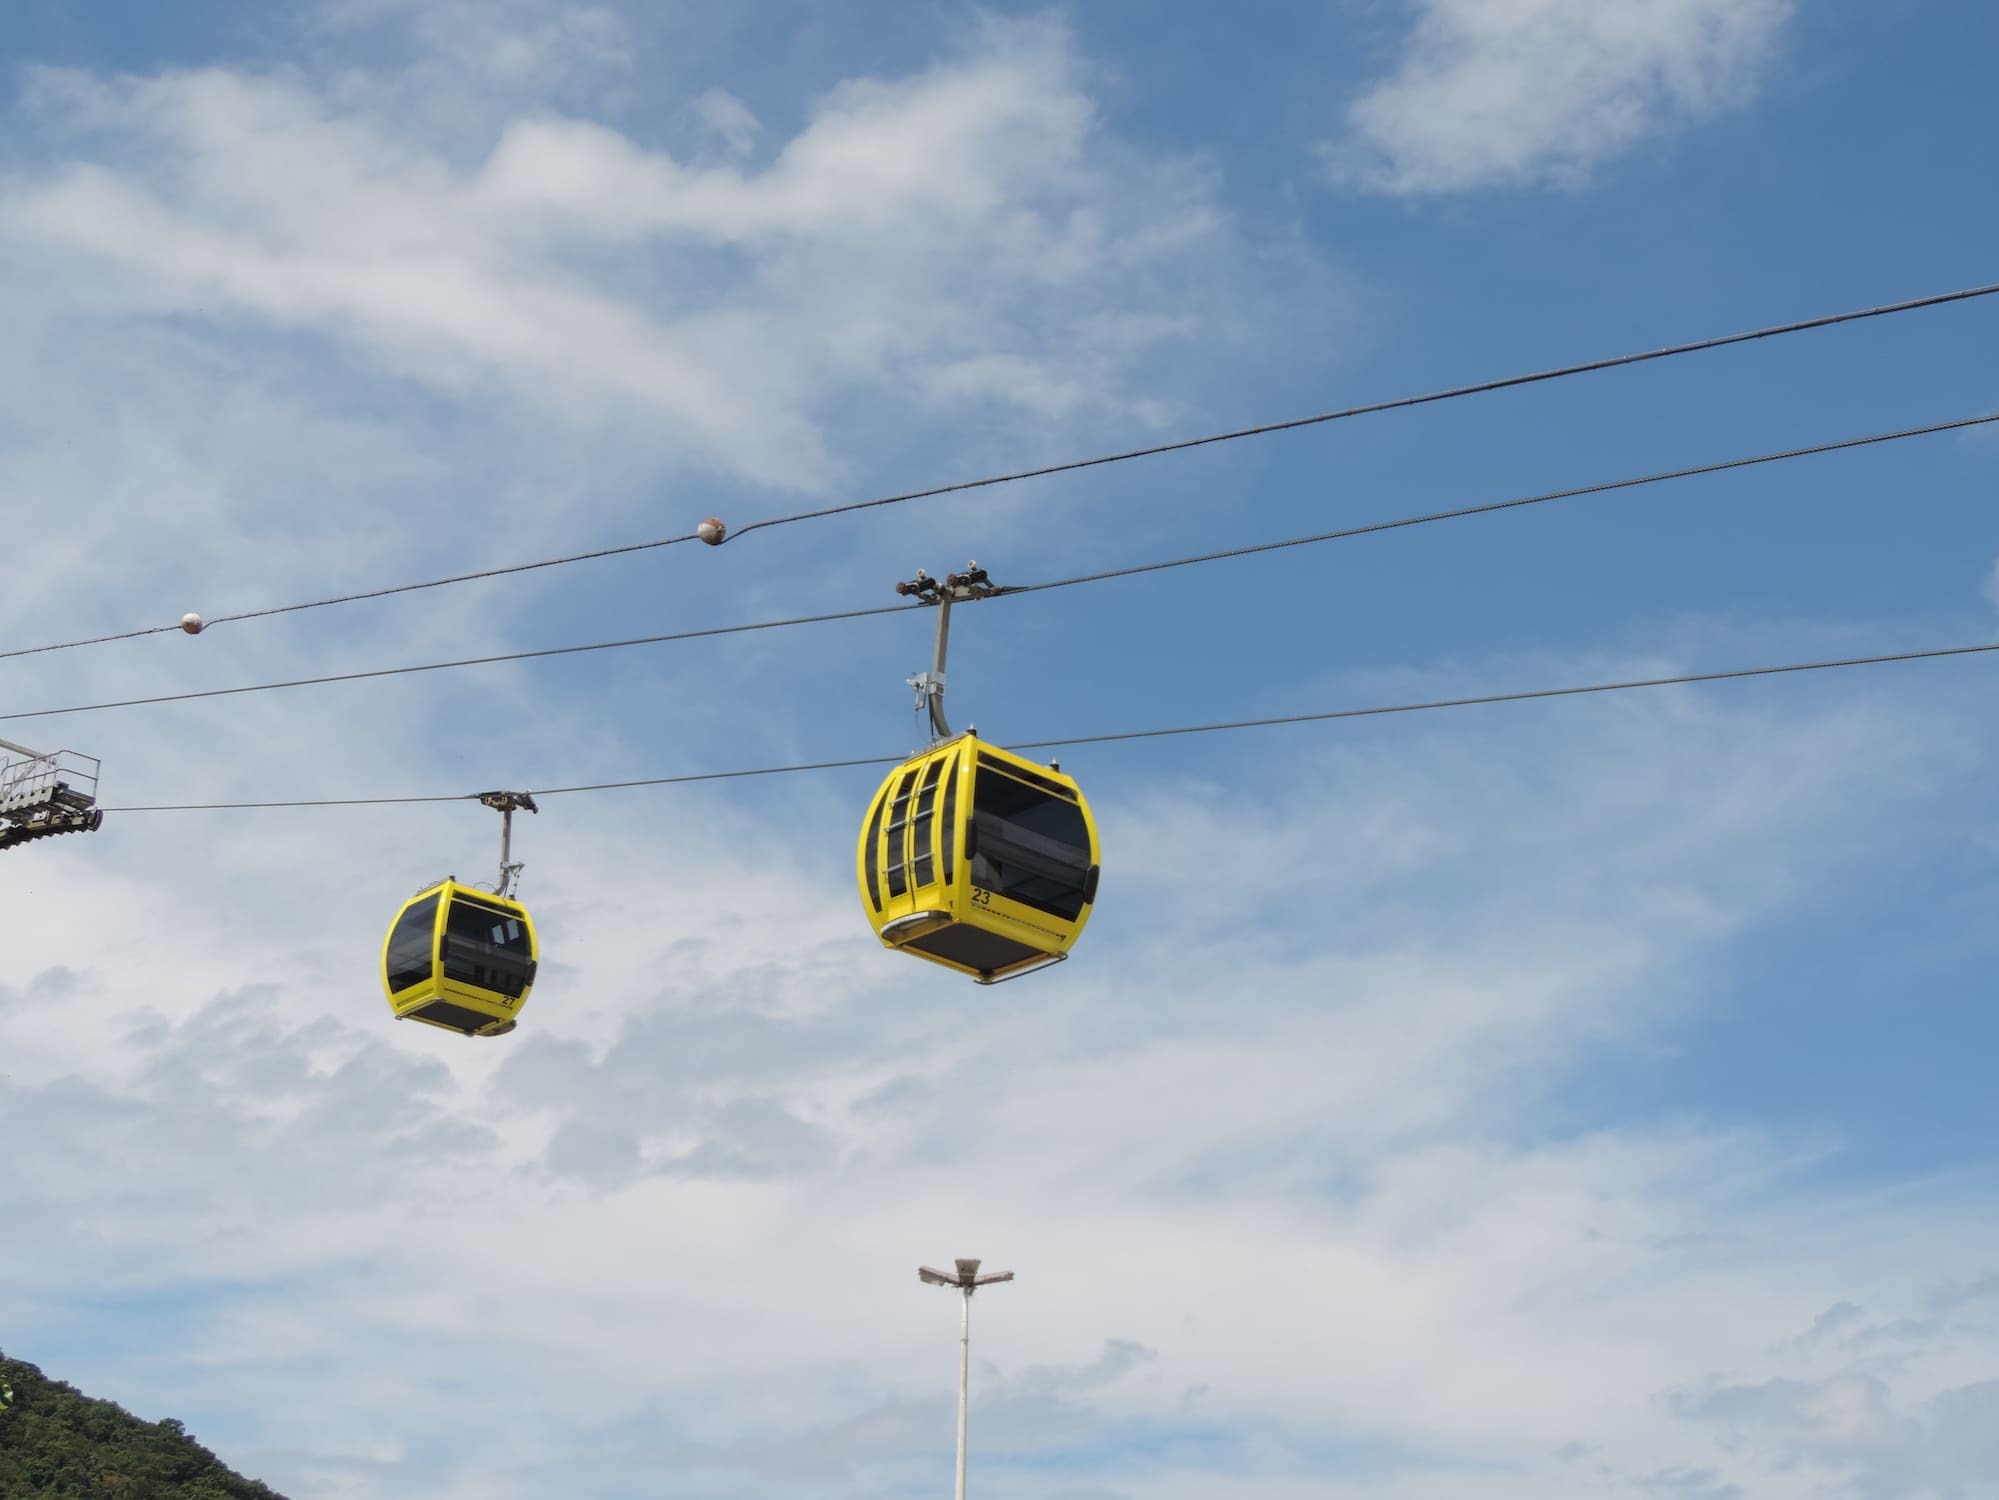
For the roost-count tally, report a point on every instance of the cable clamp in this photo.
(507, 802)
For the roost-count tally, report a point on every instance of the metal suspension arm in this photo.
(933, 688)
(973, 583)
(505, 803)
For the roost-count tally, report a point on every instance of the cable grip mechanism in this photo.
(954, 588)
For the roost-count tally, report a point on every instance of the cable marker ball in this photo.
(191, 624)
(711, 531)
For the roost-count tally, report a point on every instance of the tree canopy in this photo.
(56, 1441)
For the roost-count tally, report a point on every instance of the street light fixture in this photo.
(967, 1280)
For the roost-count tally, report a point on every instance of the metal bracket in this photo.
(42, 795)
(45, 825)
(954, 588)
(926, 684)
(1048, 963)
(506, 804)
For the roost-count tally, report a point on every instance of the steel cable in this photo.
(1461, 512)
(1374, 711)
(1450, 393)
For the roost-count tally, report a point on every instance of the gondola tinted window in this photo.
(486, 946)
(921, 865)
(409, 953)
(871, 851)
(898, 823)
(1028, 845)
(951, 820)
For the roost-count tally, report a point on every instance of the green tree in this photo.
(57, 1443)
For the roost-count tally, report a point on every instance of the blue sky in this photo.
(1547, 1099)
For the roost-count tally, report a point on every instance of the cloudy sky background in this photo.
(1575, 1098)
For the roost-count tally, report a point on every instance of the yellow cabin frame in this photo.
(916, 863)
(422, 986)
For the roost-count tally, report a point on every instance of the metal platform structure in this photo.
(43, 794)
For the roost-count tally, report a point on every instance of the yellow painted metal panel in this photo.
(921, 918)
(499, 1009)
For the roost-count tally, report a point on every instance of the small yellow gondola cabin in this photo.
(460, 958)
(979, 859)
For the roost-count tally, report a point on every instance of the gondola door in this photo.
(915, 844)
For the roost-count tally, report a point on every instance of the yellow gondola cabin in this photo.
(460, 958)
(979, 859)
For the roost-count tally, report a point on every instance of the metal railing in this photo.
(44, 793)
(32, 781)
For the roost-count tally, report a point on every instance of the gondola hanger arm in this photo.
(954, 588)
(506, 804)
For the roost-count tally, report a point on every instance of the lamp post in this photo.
(967, 1280)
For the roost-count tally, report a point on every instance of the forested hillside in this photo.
(56, 1441)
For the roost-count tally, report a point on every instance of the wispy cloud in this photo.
(697, 1105)
(987, 242)
(1301, 1162)
(1494, 93)
(513, 47)
(731, 120)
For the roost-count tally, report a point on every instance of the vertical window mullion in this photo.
(923, 830)
(898, 835)
(948, 826)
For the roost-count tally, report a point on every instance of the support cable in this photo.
(1450, 393)
(469, 661)
(1483, 508)
(1489, 507)
(1375, 711)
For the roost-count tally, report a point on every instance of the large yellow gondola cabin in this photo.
(460, 958)
(979, 859)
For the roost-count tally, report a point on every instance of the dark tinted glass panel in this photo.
(871, 856)
(1028, 845)
(950, 820)
(486, 946)
(898, 821)
(922, 865)
(472, 902)
(1022, 773)
(408, 960)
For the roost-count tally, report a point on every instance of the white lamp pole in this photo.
(967, 1280)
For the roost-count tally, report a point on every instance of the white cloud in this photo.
(729, 118)
(513, 46)
(1502, 92)
(964, 237)
(1875, 1408)
(703, 1093)
(1328, 1009)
